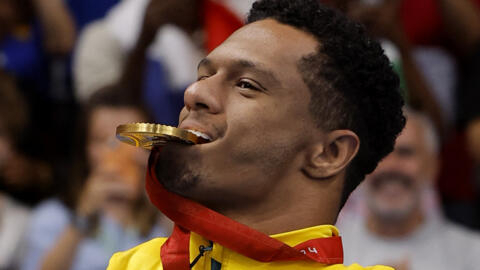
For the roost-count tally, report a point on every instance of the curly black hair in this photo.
(351, 81)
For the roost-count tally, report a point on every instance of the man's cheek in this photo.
(183, 114)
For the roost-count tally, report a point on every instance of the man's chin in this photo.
(174, 166)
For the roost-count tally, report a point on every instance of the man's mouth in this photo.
(206, 133)
(202, 135)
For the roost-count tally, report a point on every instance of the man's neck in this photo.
(276, 221)
(395, 228)
(287, 210)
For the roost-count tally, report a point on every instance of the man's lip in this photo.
(197, 128)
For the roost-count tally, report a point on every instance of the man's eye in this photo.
(201, 78)
(246, 85)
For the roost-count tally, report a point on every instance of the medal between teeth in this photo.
(147, 135)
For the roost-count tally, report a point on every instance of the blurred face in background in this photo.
(119, 164)
(13, 13)
(7, 16)
(395, 188)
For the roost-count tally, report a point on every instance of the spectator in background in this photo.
(13, 215)
(432, 37)
(87, 11)
(22, 175)
(103, 208)
(452, 23)
(23, 55)
(462, 200)
(159, 53)
(398, 228)
(460, 177)
(383, 20)
(60, 21)
(448, 32)
(57, 24)
(21, 45)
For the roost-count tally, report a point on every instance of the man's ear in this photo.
(330, 156)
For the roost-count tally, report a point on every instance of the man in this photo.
(402, 227)
(299, 105)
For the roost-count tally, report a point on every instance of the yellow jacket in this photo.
(147, 255)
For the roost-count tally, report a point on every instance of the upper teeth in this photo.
(200, 134)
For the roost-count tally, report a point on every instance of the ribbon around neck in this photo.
(192, 216)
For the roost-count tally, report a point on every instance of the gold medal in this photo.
(147, 135)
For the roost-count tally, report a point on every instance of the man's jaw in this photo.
(173, 169)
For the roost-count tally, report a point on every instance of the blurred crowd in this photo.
(72, 70)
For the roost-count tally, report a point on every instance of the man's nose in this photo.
(203, 95)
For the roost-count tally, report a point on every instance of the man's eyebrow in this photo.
(240, 64)
(204, 62)
(256, 67)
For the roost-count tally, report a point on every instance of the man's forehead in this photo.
(270, 52)
(269, 37)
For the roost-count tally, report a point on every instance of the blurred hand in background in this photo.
(57, 24)
(381, 17)
(182, 13)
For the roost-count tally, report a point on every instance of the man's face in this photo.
(251, 100)
(395, 188)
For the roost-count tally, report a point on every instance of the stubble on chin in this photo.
(174, 171)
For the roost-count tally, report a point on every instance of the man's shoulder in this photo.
(147, 256)
(143, 256)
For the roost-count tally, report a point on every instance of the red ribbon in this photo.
(192, 216)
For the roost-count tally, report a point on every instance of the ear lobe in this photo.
(331, 156)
